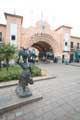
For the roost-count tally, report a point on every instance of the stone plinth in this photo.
(21, 93)
(9, 100)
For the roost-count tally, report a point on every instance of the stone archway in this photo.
(43, 40)
(45, 51)
(42, 46)
(44, 43)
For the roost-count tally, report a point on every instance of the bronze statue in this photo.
(25, 77)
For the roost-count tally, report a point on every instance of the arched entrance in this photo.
(42, 46)
(45, 44)
(45, 51)
(40, 39)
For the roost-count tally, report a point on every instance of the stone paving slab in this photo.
(61, 96)
(75, 64)
(11, 101)
(35, 79)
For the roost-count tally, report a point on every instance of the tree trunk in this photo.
(7, 64)
(0, 65)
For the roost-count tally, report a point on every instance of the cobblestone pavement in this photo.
(61, 97)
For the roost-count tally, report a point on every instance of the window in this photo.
(71, 44)
(66, 43)
(77, 45)
(0, 36)
(13, 37)
(43, 27)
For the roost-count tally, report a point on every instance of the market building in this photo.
(57, 41)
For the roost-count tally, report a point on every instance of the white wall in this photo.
(67, 39)
(13, 31)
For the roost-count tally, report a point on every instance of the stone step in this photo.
(15, 82)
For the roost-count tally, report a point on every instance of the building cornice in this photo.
(13, 15)
(75, 37)
(63, 26)
(3, 25)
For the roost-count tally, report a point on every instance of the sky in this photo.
(55, 12)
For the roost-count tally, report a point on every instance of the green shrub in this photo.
(35, 71)
(11, 74)
(14, 72)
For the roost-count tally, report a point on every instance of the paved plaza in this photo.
(61, 96)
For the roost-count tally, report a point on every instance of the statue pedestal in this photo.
(21, 93)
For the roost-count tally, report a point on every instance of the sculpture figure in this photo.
(25, 77)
